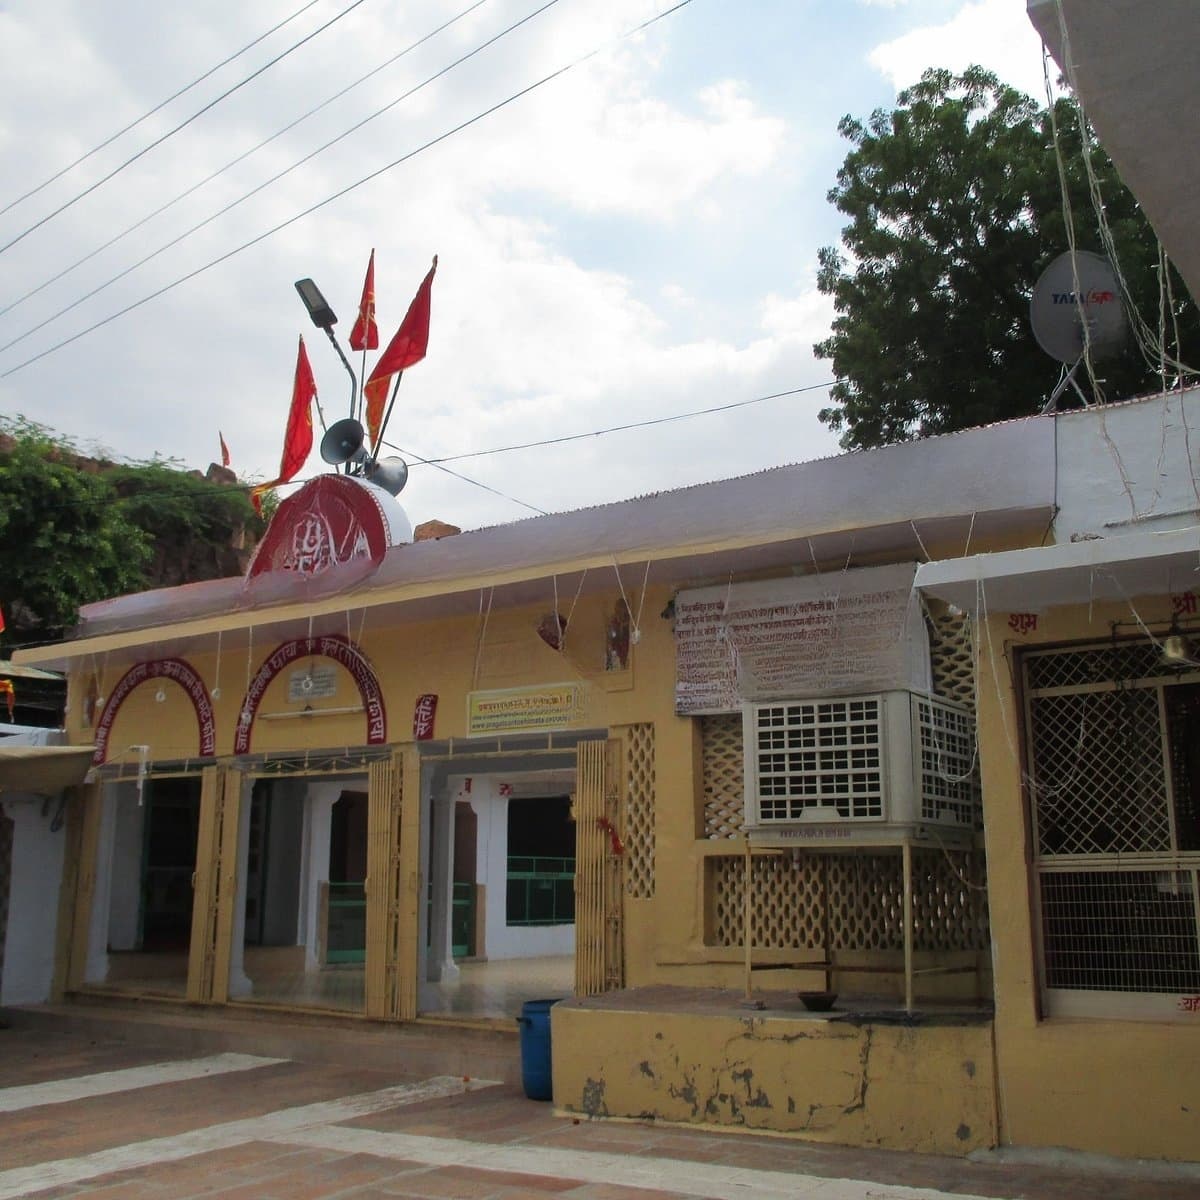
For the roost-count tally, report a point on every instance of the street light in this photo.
(323, 317)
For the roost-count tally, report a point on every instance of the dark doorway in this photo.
(168, 862)
(541, 862)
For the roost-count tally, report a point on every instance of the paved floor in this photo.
(83, 1115)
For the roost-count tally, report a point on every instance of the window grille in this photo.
(819, 754)
(949, 767)
(1114, 789)
(900, 759)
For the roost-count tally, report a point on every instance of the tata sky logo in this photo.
(1095, 296)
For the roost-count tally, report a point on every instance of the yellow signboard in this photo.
(549, 706)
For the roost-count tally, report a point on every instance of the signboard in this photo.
(317, 683)
(550, 706)
(831, 634)
(424, 715)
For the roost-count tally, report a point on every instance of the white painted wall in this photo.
(125, 896)
(1128, 468)
(37, 863)
(504, 940)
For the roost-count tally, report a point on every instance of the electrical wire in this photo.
(182, 125)
(466, 479)
(233, 162)
(275, 178)
(160, 105)
(262, 237)
(577, 437)
(168, 492)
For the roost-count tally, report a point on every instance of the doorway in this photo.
(500, 859)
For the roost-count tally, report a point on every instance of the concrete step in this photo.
(428, 1046)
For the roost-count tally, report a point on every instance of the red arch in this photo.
(342, 651)
(161, 668)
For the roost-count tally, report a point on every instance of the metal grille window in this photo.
(949, 773)
(819, 754)
(1114, 765)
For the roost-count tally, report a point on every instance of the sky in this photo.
(632, 240)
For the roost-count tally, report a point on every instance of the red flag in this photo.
(2, 620)
(298, 440)
(404, 350)
(365, 334)
(224, 449)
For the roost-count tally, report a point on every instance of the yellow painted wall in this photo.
(926, 1088)
(1124, 1087)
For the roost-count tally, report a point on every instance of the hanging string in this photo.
(244, 715)
(636, 635)
(215, 692)
(970, 530)
(913, 526)
(482, 634)
(563, 640)
(812, 553)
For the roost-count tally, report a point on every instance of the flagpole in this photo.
(391, 404)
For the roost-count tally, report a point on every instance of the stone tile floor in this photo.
(93, 1116)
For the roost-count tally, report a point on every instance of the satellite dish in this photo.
(391, 474)
(1073, 290)
(343, 441)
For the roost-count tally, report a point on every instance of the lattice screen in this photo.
(639, 811)
(860, 896)
(721, 737)
(951, 652)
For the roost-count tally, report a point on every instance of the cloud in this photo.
(992, 33)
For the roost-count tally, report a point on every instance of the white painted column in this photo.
(96, 968)
(318, 805)
(441, 955)
(239, 982)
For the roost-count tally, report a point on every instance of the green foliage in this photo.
(62, 541)
(955, 208)
(74, 530)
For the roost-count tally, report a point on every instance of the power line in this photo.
(161, 104)
(467, 479)
(275, 178)
(262, 237)
(577, 437)
(440, 462)
(233, 162)
(183, 124)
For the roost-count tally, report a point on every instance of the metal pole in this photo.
(748, 918)
(908, 929)
(388, 415)
(349, 369)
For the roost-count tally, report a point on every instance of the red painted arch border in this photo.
(183, 674)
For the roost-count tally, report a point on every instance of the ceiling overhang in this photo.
(1042, 577)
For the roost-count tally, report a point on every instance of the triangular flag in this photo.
(404, 350)
(224, 449)
(298, 440)
(365, 334)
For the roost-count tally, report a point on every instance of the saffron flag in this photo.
(9, 693)
(224, 449)
(405, 349)
(298, 440)
(365, 334)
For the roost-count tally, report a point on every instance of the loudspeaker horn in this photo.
(342, 441)
(391, 474)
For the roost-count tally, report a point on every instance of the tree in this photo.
(74, 530)
(63, 543)
(955, 208)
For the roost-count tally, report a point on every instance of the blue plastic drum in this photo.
(535, 1049)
